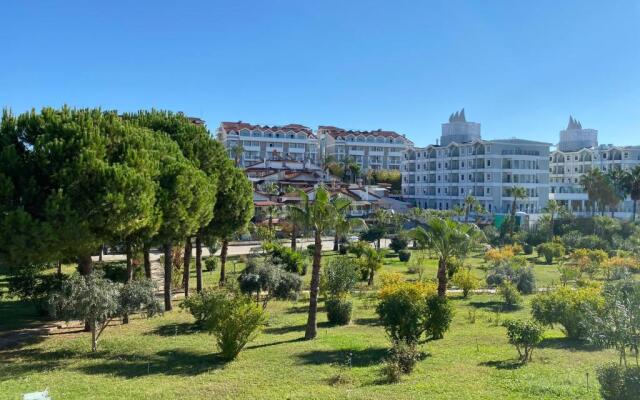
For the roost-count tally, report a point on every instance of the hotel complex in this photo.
(577, 153)
(438, 176)
(370, 149)
(251, 144)
(463, 164)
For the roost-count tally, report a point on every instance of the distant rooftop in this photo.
(340, 132)
(236, 126)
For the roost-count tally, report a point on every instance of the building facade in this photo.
(369, 149)
(250, 143)
(577, 152)
(442, 176)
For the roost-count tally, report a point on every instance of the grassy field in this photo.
(165, 358)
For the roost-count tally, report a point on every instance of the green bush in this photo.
(117, 271)
(527, 248)
(289, 260)
(403, 310)
(398, 243)
(197, 305)
(406, 355)
(338, 310)
(618, 382)
(29, 284)
(524, 335)
(439, 316)
(271, 279)
(521, 276)
(510, 295)
(550, 250)
(211, 263)
(340, 276)
(233, 319)
(342, 249)
(404, 255)
(465, 280)
(567, 307)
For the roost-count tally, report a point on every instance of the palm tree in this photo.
(591, 181)
(469, 204)
(344, 225)
(517, 192)
(552, 208)
(317, 216)
(633, 187)
(237, 153)
(618, 186)
(447, 239)
(372, 260)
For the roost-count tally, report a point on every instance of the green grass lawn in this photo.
(165, 358)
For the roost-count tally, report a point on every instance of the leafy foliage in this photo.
(525, 336)
(510, 295)
(618, 382)
(550, 250)
(338, 310)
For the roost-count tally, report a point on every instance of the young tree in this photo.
(318, 216)
(518, 193)
(633, 187)
(449, 240)
(371, 261)
(552, 208)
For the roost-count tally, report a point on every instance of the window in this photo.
(488, 190)
(488, 163)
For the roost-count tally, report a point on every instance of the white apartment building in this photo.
(577, 152)
(262, 142)
(441, 176)
(370, 149)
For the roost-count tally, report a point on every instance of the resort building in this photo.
(369, 149)
(441, 176)
(577, 152)
(248, 144)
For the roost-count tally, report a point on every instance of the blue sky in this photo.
(518, 67)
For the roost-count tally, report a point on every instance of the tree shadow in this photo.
(564, 343)
(372, 321)
(359, 358)
(21, 362)
(281, 330)
(183, 328)
(166, 362)
(502, 364)
(303, 309)
(259, 346)
(494, 306)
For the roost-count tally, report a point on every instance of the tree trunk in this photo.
(168, 269)
(294, 237)
(147, 262)
(94, 337)
(223, 261)
(127, 251)
(378, 244)
(336, 239)
(371, 274)
(187, 266)
(442, 278)
(312, 327)
(59, 269)
(101, 252)
(198, 264)
(635, 203)
(85, 265)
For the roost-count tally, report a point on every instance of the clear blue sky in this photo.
(518, 67)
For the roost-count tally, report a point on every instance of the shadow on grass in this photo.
(564, 343)
(259, 346)
(183, 328)
(359, 358)
(281, 330)
(303, 309)
(22, 362)
(372, 321)
(166, 362)
(494, 306)
(502, 364)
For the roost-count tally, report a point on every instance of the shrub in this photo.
(568, 308)
(271, 279)
(359, 248)
(510, 295)
(398, 243)
(28, 284)
(524, 335)
(403, 309)
(117, 271)
(521, 276)
(233, 319)
(138, 296)
(342, 249)
(618, 382)
(492, 234)
(465, 280)
(340, 276)
(289, 260)
(550, 250)
(391, 370)
(338, 310)
(211, 263)
(404, 255)
(525, 280)
(439, 316)
(197, 305)
(406, 355)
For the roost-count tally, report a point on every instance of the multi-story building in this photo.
(578, 152)
(253, 143)
(441, 176)
(370, 149)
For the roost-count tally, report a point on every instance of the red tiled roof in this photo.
(236, 126)
(340, 132)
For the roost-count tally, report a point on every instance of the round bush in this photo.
(339, 310)
(404, 255)
(343, 249)
(211, 263)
